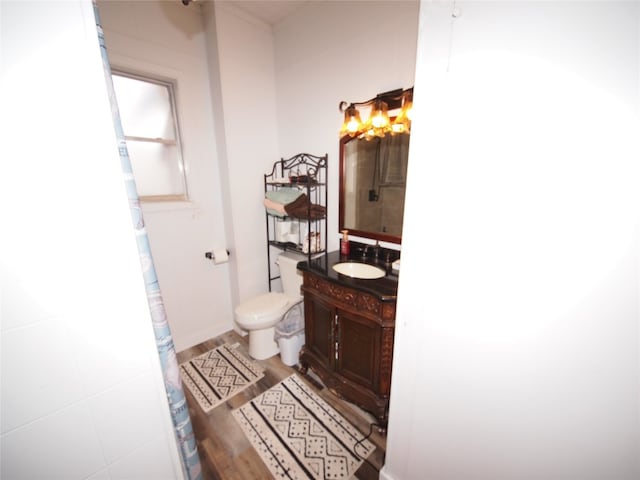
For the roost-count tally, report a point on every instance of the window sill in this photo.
(167, 206)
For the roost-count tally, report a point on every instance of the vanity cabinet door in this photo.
(358, 349)
(320, 329)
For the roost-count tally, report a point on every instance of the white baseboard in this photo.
(384, 475)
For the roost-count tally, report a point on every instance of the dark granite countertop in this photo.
(385, 288)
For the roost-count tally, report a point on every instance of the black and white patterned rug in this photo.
(219, 374)
(300, 436)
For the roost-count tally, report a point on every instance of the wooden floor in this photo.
(226, 454)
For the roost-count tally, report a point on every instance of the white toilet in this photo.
(259, 315)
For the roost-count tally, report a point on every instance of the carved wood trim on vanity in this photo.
(360, 302)
(380, 316)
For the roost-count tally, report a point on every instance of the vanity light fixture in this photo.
(379, 124)
(352, 122)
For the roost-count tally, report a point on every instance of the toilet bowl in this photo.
(259, 315)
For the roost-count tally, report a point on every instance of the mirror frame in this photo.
(383, 237)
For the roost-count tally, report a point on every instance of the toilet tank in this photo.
(289, 275)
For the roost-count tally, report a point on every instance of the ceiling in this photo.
(269, 11)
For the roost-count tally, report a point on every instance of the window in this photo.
(148, 116)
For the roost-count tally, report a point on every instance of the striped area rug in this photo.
(219, 374)
(300, 436)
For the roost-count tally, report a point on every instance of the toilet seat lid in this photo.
(262, 305)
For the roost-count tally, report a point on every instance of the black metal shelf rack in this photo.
(308, 174)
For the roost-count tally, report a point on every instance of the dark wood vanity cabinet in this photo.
(349, 342)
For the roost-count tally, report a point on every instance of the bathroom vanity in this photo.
(349, 329)
(350, 316)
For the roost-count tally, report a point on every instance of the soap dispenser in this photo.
(344, 243)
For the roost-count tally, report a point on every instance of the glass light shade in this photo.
(407, 104)
(379, 117)
(402, 123)
(406, 112)
(352, 123)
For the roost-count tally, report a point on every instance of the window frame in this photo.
(171, 87)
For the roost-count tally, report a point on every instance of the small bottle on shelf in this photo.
(344, 243)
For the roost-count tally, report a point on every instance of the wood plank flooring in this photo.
(226, 454)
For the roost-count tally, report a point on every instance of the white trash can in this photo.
(289, 333)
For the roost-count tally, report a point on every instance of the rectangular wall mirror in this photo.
(372, 186)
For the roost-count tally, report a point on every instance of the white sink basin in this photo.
(359, 270)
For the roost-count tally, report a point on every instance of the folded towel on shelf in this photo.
(274, 208)
(302, 208)
(283, 195)
(299, 208)
(276, 200)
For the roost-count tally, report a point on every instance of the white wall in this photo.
(167, 39)
(82, 391)
(222, 60)
(327, 52)
(243, 76)
(516, 353)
